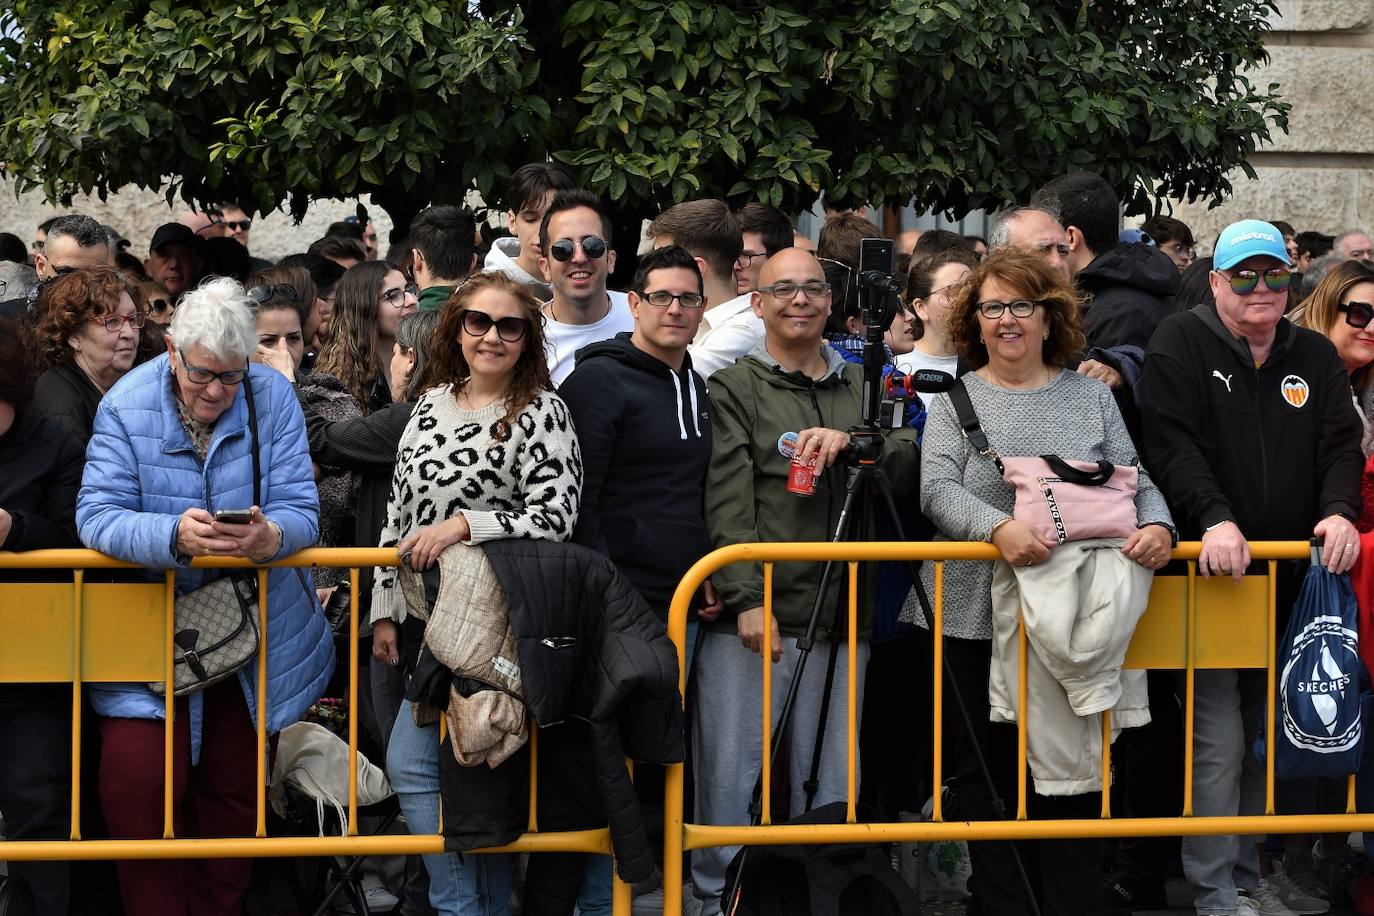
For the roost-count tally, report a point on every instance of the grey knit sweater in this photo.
(1073, 417)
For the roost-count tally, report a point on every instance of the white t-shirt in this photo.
(728, 331)
(562, 341)
(915, 360)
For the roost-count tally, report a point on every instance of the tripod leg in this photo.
(853, 486)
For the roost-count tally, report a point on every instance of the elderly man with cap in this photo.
(1251, 434)
(174, 258)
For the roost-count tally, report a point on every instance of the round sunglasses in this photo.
(510, 329)
(592, 246)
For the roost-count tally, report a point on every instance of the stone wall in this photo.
(1320, 175)
(138, 213)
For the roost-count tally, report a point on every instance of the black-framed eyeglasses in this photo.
(510, 329)
(200, 376)
(1357, 314)
(592, 246)
(234, 225)
(113, 323)
(993, 309)
(62, 271)
(747, 258)
(396, 298)
(815, 290)
(261, 294)
(662, 299)
(37, 245)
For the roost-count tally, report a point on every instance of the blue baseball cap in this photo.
(1247, 239)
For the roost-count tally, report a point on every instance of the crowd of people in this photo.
(550, 456)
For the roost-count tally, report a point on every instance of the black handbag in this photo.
(215, 627)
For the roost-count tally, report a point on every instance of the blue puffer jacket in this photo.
(142, 472)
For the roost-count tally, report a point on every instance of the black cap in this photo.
(172, 232)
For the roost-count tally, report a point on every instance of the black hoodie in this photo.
(645, 433)
(1132, 288)
(1275, 449)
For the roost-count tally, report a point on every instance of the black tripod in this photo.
(862, 475)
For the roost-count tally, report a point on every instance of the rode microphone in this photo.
(922, 381)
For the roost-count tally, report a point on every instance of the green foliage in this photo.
(956, 104)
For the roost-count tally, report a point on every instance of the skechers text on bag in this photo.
(215, 627)
(1324, 690)
(1063, 500)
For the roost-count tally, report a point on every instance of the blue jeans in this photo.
(459, 885)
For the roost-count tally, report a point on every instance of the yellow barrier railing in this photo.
(1191, 623)
(89, 632)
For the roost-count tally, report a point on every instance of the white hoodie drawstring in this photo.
(682, 427)
(696, 424)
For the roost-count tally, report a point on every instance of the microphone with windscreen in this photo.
(922, 381)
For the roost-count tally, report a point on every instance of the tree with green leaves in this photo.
(952, 104)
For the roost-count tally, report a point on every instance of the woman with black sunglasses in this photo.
(490, 453)
(1342, 308)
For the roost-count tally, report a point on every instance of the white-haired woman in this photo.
(171, 446)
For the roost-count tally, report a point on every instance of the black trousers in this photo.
(35, 783)
(1065, 874)
(1149, 782)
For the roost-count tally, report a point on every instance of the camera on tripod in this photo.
(884, 405)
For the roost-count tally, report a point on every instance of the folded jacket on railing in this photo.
(1081, 607)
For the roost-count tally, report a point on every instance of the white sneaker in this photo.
(1265, 901)
(1299, 895)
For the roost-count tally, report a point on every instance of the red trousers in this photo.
(215, 798)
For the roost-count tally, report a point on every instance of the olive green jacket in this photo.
(753, 404)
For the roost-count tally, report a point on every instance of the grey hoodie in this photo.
(502, 257)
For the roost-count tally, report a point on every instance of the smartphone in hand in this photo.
(234, 516)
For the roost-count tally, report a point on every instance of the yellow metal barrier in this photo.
(1191, 623)
(87, 632)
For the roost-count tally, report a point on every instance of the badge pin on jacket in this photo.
(1295, 390)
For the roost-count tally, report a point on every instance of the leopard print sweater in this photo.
(450, 460)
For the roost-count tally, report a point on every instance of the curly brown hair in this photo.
(1032, 278)
(448, 366)
(68, 301)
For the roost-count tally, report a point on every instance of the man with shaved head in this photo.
(786, 404)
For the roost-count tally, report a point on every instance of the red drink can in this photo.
(801, 478)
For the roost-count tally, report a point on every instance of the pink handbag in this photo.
(1073, 500)
(1063, 500)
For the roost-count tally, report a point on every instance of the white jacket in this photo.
(1080, 607)
(502, 257)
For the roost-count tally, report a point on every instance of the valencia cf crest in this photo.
(1294, 390)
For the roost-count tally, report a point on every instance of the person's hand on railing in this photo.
(750, 624)
(384, 647)
(198, 537)
(1149, 546)
(713, 606)
(425, 545)
(1225, 552)
(1340, 543)
(1019, 545)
